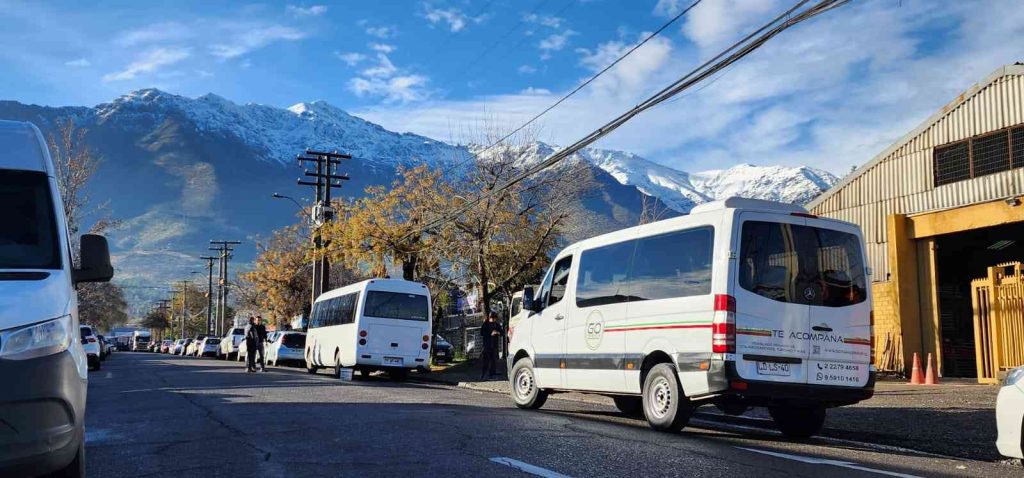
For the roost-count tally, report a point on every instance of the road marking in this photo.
(527, 468)
(109, 375)
(826, 461)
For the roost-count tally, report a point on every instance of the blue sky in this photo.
(830, 93)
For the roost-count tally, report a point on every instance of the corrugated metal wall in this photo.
(901, 182)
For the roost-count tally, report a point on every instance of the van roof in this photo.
(735, 203)
(24, 147)
(395, 285)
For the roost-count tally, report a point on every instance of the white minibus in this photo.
(43, 357)
(741, 303)
(377, 324)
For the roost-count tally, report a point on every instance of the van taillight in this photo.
(871, 337)
(92, 340)
(723, 326)
(362, 333)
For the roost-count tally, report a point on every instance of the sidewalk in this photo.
(956, 418)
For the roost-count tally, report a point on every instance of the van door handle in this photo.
(559, 317)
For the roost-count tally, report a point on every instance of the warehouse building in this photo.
(939, 208)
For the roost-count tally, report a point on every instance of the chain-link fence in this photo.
(463, 332)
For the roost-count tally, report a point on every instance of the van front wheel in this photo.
(798, 422)
(665, 406)
(525, 392)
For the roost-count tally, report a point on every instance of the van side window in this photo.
(559, 279)
(677, 264)
(603, 274)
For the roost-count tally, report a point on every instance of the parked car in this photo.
(165, 346)
(42, 360)
(185, 346)
(111, 344)
(178, 347)
(190, 348)
(91, 345)
(287, 346)
(444, 351)
(208, 347)
(104, 347)
(230, 343)
(1010, 414)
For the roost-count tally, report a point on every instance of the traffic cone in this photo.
(915, 374)
(930, 378)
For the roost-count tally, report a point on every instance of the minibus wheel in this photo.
(629, 406)
(798, 422)
(310, 368)
(525, 392)
(665, 405)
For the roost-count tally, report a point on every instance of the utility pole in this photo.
(184, 304)
(209, 294)
(322, 213)
(164, 308)
(225, 248)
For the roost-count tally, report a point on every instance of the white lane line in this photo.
(825, 461)
(528, 468)
(109, 375)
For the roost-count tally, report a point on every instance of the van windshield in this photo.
(394, 305)
(802, 264)
(28, 228)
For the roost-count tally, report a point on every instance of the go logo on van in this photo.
(594, 330)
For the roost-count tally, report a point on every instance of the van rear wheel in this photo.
(665, 406)
(630, 406)
(798, 422)
(525, 392)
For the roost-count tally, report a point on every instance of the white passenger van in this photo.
(741, 303)
(377, 324)
(43, 360)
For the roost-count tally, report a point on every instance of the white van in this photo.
(377, 324)
(741, 303)
(41, 350)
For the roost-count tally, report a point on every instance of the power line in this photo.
(485, 51)
(738, 50)
(584, 84)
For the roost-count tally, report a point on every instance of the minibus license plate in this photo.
(393, 361)
(773, 368)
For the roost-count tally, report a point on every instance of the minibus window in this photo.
(28, 228)
(395, 305)
(801, 264)
(602, 276)
(560, 278)
(676, 264)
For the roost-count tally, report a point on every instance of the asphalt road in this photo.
(157, 415)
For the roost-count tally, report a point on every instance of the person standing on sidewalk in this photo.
(251, 338)
(261, 336)
(491, 333)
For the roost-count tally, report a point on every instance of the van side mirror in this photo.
(528, 302)
(95, 260)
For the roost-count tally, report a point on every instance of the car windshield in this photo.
(238, 332)
(294, 340)
(28, 230)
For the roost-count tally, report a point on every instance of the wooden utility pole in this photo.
(210, 329)
(326, 179)
(225, 248)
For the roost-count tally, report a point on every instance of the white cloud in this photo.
(543, 20)
(404, 88)
(79, 63)
(716, 24)
(531, 91)
(350, 58)
(380, 32)
(156, 33)
(454, 17)
(382, 48)
(311, 11)
(629, 76)
(149, 62)
(526, 70)
(246, 39)
(554, 42)
(383, 69)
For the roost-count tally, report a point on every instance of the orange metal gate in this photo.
(998, 302)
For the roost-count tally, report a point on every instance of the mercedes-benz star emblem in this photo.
(809, 293)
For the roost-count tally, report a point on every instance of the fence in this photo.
(998, 302)
(463, 332)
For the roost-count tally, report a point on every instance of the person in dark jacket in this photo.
(252, 336)
(491, 333)
(261, 336)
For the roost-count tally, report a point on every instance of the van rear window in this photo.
(28, 228)
(802, 264)
(394, 305)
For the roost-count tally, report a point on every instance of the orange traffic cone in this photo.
(915, 374)
(930, 378)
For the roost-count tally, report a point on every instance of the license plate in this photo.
(393, 361)
(773, 368)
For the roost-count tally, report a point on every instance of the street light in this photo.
(282, 196)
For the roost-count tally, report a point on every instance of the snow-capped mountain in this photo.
(180, 171)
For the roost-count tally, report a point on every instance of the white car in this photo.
(1010, 414)
(287, 346)
(91, 344)
(208, 347)
(230, 343)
